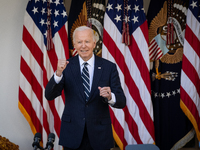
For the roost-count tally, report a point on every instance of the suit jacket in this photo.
(94, 114)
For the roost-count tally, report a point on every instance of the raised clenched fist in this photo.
(62, 63)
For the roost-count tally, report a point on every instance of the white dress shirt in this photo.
(91, 73)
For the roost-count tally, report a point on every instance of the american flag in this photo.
(134, 123)
(38, 64)
(190, 74)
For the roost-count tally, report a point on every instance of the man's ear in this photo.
(94, 43)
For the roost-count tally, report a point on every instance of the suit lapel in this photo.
(75, 68)
(97, 74)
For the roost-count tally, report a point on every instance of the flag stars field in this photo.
(43, 11)
(194, 4)
(42, 22)
(35, 10)
(119, 7)
(57, 2)
(109, 7)
(128, 7)
(135, 19)
(44, 1)
(56, 13)
(64, 14)
(136, 8)
(55, 23)
(117, 18)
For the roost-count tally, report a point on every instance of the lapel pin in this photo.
(99, 67)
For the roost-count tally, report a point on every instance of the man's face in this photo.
(84, 44)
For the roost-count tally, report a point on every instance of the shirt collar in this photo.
(90, 61)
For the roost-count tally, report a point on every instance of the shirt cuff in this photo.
(113, 100)
(57, 78)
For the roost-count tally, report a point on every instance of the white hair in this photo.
(82, 28)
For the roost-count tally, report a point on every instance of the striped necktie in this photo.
(86, 80)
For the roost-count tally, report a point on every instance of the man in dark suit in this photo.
(86, 123)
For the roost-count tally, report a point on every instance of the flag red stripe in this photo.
(57, 121)
(192, 40)
(33, 47)
(153, 49)
(190, 67)
(118, 128)
(121, 63)
(155, 52)
(140, 62)
(158, 53)
(115, 52)
(154, 55)
(64, 38)
(53, 58)
(132, 126)
(190, 105)
(152, 44)
(36, 89)
(45, 122)
(190, 71)
(28, 107)
(38, 92)
(35, 51)
(144, 28)
(26, 71)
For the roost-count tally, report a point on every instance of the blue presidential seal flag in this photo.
(167, 24)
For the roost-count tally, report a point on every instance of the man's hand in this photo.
(105, 92)
(62, 63)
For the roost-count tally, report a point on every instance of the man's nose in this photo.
(83, 44)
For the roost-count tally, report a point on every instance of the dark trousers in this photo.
(85, 144)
